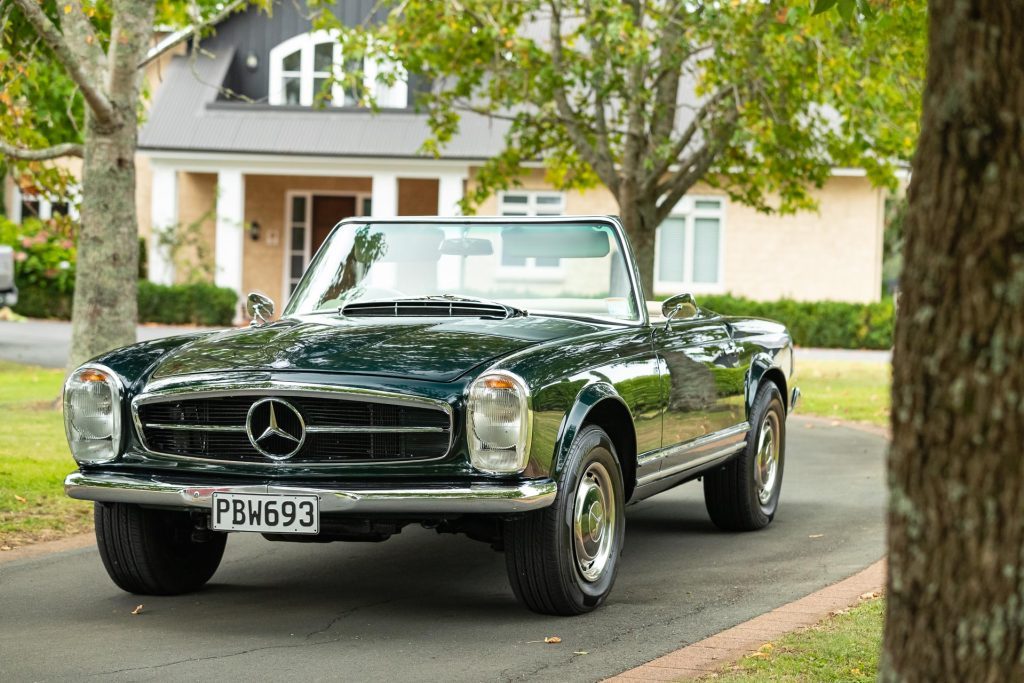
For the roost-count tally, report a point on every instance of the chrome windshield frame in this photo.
(643, 318)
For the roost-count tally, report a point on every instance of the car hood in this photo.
(418, 348)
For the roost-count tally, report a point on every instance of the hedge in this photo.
(193, 304)
(826, 324)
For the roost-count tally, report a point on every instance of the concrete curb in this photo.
(711, 654)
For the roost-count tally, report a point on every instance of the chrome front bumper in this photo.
(427, 499)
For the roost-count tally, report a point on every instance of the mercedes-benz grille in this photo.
(293, 428)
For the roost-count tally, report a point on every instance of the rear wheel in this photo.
(563, 560)
(743, 495)
(152, 552)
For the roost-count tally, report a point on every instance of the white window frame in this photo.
(388, 97)
(46, 202)
(687, 210)
(531, 208)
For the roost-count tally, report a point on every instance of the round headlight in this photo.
(498, 423)
(92, 415)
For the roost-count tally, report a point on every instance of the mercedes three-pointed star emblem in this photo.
(280, 428)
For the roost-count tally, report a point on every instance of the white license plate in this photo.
(266, 513)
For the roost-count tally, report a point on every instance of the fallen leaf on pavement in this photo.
(581, 652)
(552, 640)
(137, 610)
(20, 499)
(5, 547)
(815, 535)
(868, 596)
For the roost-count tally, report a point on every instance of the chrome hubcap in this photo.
(766, 464)
(593, 522)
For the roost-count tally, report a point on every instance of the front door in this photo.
(327, 211)
(310, 220)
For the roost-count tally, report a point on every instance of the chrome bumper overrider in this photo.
(469, 498)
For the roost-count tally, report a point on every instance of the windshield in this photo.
(569, 268)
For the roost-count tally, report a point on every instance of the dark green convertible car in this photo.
(497, 377)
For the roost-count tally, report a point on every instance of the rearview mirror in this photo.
(467, 246)
(260, 308)
(681, 306)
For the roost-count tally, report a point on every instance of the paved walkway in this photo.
(424, 606)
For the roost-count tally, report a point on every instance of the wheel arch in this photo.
(599, 404)
(763, 370)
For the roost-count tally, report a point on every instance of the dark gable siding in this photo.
(253, 31)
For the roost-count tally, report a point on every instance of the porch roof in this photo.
(186, 115)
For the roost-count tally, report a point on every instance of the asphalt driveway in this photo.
(423, 607)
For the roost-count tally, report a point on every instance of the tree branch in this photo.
(87, 46)
(174, 39)
(655, 176)
(67, 149)
(99, 104)
(130, 32)
(602, 164)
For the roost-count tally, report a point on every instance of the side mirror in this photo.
(680, 306)
(260, 308)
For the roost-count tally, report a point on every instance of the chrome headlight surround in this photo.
(499, 419)
(92, 414)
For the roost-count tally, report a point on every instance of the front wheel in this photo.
(563, 560)
(152, 552)
(743, 495)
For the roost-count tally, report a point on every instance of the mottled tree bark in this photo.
(640, 223)
(956, 471)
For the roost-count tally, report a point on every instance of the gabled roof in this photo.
(187, 115)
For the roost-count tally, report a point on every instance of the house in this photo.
(233, 148)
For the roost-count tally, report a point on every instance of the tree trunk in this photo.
(956, 471)
(641, 226)
(106, 279)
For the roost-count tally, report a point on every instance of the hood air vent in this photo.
(425, 309)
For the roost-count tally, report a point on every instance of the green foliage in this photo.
(44, 253)
(826, 324)
(197, 303)
(601, 102)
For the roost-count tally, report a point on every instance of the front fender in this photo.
(572, 422)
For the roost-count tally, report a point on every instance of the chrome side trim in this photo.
(425, 499)
(260, 384)
(709, 440)
(794, 399)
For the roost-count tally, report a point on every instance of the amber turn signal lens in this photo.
(91, 376)
(498, 383)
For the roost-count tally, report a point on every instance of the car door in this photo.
(703, 385)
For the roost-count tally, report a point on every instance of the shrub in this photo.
(827, 324)
(44, 270)
(199, 303)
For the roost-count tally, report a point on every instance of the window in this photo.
(531, 204)
(689, 247)
(300, 68)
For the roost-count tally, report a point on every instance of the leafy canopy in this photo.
(759, 98)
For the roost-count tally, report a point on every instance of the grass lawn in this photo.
(844, 390)
(841, 648)
(34, 460)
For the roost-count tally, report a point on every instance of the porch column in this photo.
(450, 189)
(163, 215)
(230, 230)
(384, 200)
